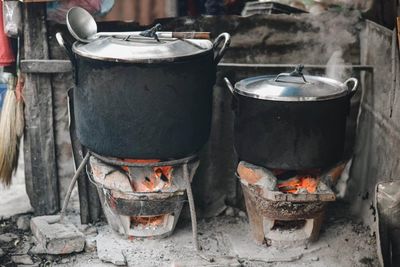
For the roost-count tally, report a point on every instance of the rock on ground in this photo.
(109, 249)
(8, 237)
(90, 244)
(22, 259)
(23, 222)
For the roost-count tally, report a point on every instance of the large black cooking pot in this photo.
(291, 121)
(145, 98)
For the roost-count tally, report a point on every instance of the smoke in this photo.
(336, 67)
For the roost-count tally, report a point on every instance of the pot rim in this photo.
(77, 49)
(241, 86)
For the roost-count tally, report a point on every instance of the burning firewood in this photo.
(298, 184)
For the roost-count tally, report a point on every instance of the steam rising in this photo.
(336, 67)
(334, 38)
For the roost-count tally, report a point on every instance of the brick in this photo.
(57, 238)
(256, 175)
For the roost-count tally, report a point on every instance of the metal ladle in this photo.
(83, 27)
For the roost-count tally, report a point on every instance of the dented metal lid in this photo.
(142, 49)
(293, 86)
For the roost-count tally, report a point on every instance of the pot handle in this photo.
(229, 85)
(223, 37)
(353, 90)
(67, 48)
(297, 73)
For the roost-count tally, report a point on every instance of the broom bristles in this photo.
(19, 118)
(9, 139)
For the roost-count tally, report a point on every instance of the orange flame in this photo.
(148, 220)
(294, 185)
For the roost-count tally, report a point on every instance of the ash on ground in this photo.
(342, 242)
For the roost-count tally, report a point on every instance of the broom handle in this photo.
(71, 186)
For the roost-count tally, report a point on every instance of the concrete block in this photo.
(57, 238)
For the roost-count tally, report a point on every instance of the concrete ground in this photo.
(16, 193)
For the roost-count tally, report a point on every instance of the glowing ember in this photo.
(149, 179)
(298, 184)
(148, 220)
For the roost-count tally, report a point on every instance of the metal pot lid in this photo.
(293, 87)
(142, 49)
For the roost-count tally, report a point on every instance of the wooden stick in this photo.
(398, 32)
(191, 35)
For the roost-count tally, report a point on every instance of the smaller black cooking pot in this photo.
(291, 121)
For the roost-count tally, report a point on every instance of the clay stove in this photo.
(286, 208)
(142, 198)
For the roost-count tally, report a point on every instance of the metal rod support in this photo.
(118, 162)
(223, 65)
(71, 186)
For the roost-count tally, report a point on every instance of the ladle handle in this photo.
(68, 49)
(297, 73)
(66, 46)
(191, 35)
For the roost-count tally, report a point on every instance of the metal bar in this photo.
(56, 66)
(45, 66)
(223, 65)
(117, 162)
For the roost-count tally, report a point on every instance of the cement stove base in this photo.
(283, 218)
(279, 233)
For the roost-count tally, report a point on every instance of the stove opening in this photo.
(148, 221)
(288, 225)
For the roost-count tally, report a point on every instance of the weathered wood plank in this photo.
(40, 161)
(45, 66)
(89, 202)
(90, 206)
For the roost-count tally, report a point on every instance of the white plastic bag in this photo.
(12, 18)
